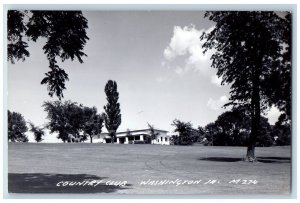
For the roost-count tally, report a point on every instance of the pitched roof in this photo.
(141, 130)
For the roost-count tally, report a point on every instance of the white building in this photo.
(135, 136)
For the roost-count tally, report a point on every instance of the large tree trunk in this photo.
(250, 153)
(91, 138)
(255, 115)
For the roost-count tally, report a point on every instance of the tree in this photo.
(16, 127)
(65, 32)
(277, 86)
(198, 135)
(174, 140)
(93, 122)
(281, 133)
(234, 127)
(187, 134)
(73, 121)
(265, 139)
(65, 118)
(211, 131)
(153, 133)
(112, 115)
(247, 45)
(37, 132)
(185, 131)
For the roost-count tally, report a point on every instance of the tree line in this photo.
(69, 119)
(72, 121)
(232, 128)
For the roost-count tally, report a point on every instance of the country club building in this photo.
(134, 137)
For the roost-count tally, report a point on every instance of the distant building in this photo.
(135, 136)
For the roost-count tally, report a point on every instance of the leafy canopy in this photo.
(66, 36)
(64, 118)
(69, 118)
(185, 131)
(93, 122)
(246, 45)
(38, 132)
(112, 115)
(16, 127)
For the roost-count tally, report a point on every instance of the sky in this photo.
(154, 56)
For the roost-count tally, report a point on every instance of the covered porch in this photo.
(129, 139)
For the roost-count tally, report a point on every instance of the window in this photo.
(161, 138)
(130, 138)
(166, 139)
(157, 140)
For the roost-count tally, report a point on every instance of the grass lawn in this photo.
(121, 169)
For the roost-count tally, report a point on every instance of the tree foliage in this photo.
(198, 135)
(112, 115)
(16, 47)
(277, 86)
(282, 134)
(185, 131)
(211, 132)
(233, 128)
(265, 130)
(66, 36)
(187, 135)
(247, 47)
(93, 122)
(16, 127)
(174, 140)
(37, 132)
(64, 118)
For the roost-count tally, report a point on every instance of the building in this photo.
(135, 136)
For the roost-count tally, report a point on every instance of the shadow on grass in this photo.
(259, 159)
(221, 159)
(274, 159)
(47, 183)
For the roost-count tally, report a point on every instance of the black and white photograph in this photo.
(149, 101)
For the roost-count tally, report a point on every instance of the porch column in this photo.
(142, 137)
(118, 140)
(126, 140)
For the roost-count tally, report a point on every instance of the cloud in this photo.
(216, 80)
(217, 104)
(186, 42)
